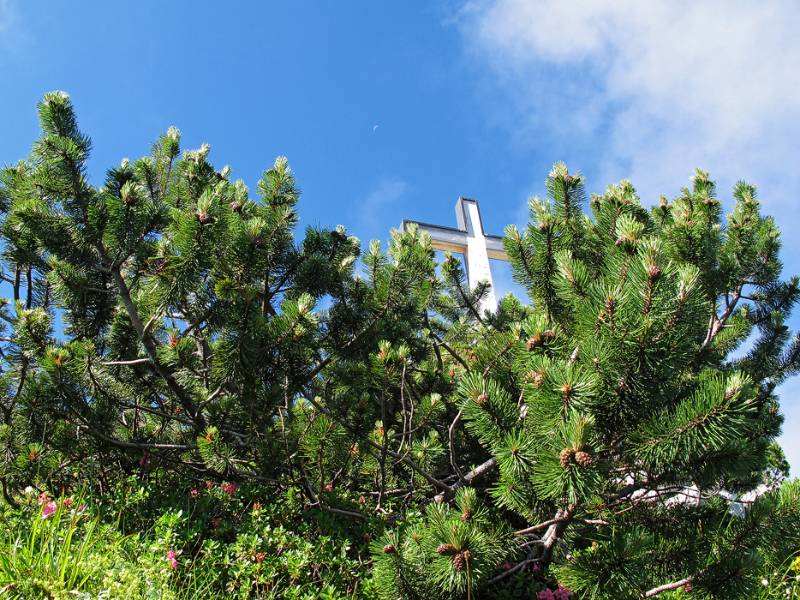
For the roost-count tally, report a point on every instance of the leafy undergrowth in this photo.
(219, 543)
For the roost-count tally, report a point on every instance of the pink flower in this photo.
(536, 567)
(49, 508)
(563, 593)
(329, 487)
(43, 498)
(546, 594)
(194, 493)
(229, 488)
(171, 557)
(66, 502)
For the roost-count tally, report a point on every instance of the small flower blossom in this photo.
(43, 498)
(329, 487)
(48, 508)
(28, 491)
(256, 506)
(562, 593)
(194, 493)
(536, 567)
(209, 484)
(546, 594)
(259, 557)
(229, 488)
(171, 557)
(764, 582)
(67, 502)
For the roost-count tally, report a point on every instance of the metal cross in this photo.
(470, 240)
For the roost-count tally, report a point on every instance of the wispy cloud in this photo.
(650, 90)
(380, 205)
(657, 87)
(14, 38)
(8, 15)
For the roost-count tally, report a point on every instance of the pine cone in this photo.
(389, 549)
(482, 399)
(584, 459)
(534, 342)
(446, 549)
(466, 515)
(536, 378)
(565, 457)
(653, 271)
(236, 206)
(460, 559)
(203, 217)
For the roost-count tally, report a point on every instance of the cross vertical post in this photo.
(472, 241)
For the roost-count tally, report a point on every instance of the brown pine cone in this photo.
(565, 457)
(236, 206)
(536, 378)
(460, 559)
(466, 515)
(482, 399)
(446, 549)
(584, 459)
(389, 549)
(653, 271)
(534, 342)
(203, 217)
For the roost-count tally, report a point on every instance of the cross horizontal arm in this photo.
(442, 238)
(495, 248)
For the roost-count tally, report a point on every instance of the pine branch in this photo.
(666, 587)
(152, 352)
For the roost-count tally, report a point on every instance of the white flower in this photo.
(764, 582)
(28, 491)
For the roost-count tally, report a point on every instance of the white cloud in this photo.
(667, 85)
(7, 15)
(382, 203)
(789, 393)
(650, 90)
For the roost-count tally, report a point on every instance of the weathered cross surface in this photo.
(470, 240)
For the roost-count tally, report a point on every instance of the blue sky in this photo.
(392, 110)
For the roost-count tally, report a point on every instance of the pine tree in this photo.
(616, 409)
(166, 323)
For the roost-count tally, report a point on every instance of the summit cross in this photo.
(471, 240)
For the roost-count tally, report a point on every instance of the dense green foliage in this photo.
(249, 415)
